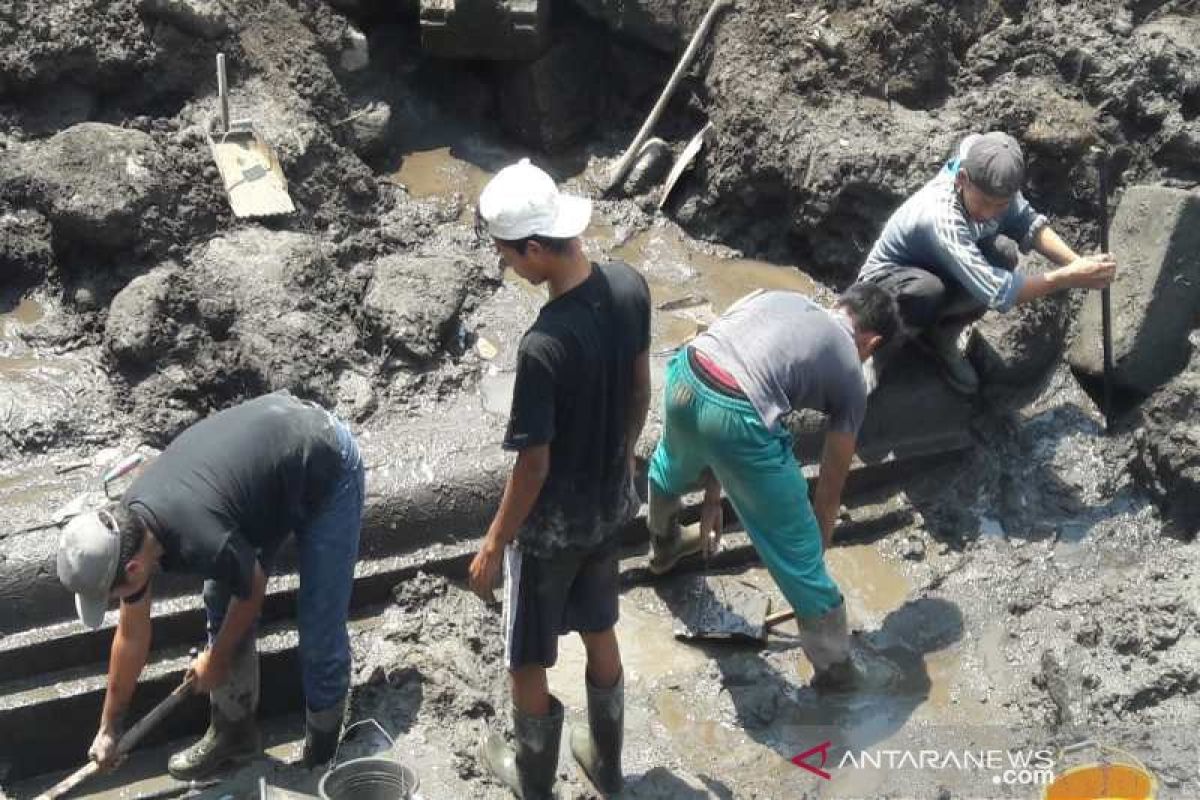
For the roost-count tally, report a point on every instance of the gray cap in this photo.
(995, 163)
(88, 552)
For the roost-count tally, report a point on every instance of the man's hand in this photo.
(104, 748)
(1092, 272)
(485, 570)
(209, 671)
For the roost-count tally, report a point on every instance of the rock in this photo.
(204, 18)
(285, 331)
(101, 44)
(141, 322)
(25, 255)
(356, 399)
(355, 55)
(1167, 457)
(413, 302)
(551, 102)
(95, 182)
(649, 168)
(370, 128)
(1156, 295)
(1014, 352)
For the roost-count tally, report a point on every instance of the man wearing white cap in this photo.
(942, 257)
(580, 399)
(218, 503)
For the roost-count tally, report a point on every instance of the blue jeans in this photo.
(327, 543)
(704, 428)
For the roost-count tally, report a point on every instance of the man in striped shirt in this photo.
(950, 252)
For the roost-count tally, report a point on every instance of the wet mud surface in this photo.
(1040, 591)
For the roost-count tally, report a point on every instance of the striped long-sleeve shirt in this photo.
(933, 231)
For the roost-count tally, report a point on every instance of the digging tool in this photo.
(1105, 293)
(635, 148)
(254, 181)
(127, 741)
(685, 160)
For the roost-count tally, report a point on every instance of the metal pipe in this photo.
(223, 92)
(626, 163)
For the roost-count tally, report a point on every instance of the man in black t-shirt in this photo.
(580, 400)
(218, 503)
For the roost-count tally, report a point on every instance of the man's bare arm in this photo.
(639, 404)
(130, 649)
(835, 466)
(520, 493)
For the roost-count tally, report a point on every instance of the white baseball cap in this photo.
(88, 552)
(522, 201)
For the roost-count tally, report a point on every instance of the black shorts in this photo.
(545, 598)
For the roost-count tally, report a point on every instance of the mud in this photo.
(1039, 592)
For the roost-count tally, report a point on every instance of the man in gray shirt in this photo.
(725, 394)
(950, 252)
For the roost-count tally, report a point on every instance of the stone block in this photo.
(913, 413)
(550, 103)
(413, 302)
(1155, 237)
(1014, 352)
(485, 29)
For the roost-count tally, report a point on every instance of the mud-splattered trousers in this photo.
(704, 428)
(327, 545)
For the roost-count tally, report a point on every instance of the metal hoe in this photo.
(1105, 293)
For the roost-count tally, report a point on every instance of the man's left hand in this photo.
(210, 672)
(485, 571)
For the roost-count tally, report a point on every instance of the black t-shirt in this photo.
(574, 378)
(236, 484)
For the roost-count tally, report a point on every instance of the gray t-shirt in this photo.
(788, 353)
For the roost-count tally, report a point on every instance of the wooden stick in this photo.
(1105, 295)
(779, 616)
(127, 742)
(635, 148)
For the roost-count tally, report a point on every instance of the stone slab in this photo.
(1155, 237)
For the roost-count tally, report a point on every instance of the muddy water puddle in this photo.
(691, 283)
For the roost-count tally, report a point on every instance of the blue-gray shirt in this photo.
(933, 231)
(786, 353)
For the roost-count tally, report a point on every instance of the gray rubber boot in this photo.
(669, 541)
(322, 732)
(232, 737)
(837, 666)
(597, 748)
(529, 770)
(826, 642)
(941, 340)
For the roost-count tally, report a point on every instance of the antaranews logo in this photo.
(801, 759)
(1008, 767)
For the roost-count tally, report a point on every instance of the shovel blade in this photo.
(254, 181)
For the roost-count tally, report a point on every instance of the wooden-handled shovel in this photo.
(126, 743)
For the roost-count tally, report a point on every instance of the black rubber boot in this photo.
(529, 770)
(322, 732)
(597, 748)
(232, 737)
